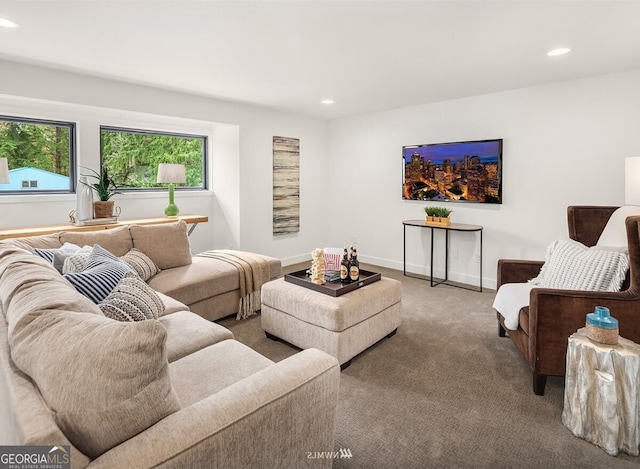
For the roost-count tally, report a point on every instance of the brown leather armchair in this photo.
(553, 315)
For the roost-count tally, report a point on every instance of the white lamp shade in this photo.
(632, 181)
(4, 171)
(171, 173)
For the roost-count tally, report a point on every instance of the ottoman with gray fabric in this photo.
(342, 326)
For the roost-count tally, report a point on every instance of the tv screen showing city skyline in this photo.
(453, 172)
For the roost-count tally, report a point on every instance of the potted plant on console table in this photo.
(106, 188)
(438, 215)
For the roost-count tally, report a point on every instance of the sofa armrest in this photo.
(556, 314)
(517, 271)
(274, 417)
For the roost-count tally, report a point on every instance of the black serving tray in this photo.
(332, 288)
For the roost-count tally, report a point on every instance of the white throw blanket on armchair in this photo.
(510, 299)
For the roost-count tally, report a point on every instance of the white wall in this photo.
(240, 206)
(564, 144)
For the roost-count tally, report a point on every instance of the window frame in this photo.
(72, 156)
(166, 133)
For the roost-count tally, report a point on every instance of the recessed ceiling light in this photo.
(327, 101)
(5, 23)
(559, 51)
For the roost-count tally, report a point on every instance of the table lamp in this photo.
(4, 171)
(632, 181)
(171, 174)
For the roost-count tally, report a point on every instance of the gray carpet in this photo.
(445, 391)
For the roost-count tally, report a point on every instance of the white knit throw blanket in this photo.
(254, 271)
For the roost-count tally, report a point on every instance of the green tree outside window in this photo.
(132, 156)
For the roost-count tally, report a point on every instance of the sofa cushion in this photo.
(132, 300)
(170, 305)
(141, 263)
(187, 333)
(26, 419)
(101, 274)
(115, 240)
(107, 380)
(231, 360)
(202, 279)
(166, 244)
(29, 243)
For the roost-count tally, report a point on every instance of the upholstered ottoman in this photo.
(342, 326)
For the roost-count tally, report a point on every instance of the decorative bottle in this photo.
(84, 201)
(344, 268)
(354, 268)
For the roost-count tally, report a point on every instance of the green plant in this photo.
(440, 212)
(104, 186)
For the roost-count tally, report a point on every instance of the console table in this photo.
(447, 228)
(48, 229)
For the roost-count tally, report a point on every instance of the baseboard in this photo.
(469, 279)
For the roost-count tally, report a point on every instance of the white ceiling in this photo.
(289, 55)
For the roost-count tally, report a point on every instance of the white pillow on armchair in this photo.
(569, 265)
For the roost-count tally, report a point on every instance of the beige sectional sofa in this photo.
(177, 391)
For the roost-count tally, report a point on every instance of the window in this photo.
(132, 156)
(40, 154)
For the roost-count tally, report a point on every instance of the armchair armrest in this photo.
(274, 417)
(556, 314)
(517, 271)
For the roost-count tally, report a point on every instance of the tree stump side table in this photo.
(601, 394)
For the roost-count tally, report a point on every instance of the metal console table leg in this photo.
(447, 229)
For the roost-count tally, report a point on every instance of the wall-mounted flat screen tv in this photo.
(453, 172)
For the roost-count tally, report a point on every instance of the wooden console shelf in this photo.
(48, 229)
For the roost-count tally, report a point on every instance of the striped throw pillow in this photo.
(46, 254)
(102, 272)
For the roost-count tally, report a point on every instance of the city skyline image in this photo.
(460, 171)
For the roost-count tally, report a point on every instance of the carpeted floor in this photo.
(445, 392)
